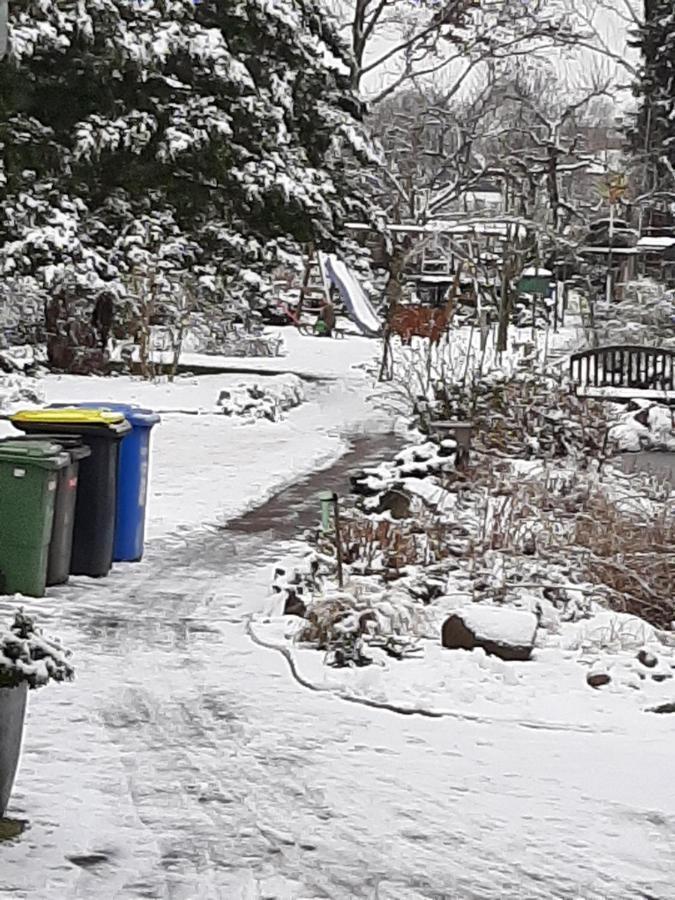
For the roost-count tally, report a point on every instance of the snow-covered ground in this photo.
(185, 761)
(302, 353)
(550, 691)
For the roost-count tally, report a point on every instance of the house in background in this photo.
(657, 257)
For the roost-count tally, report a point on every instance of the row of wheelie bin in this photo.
(73, 491)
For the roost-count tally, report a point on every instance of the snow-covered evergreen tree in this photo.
(214, 136)
(654, 135)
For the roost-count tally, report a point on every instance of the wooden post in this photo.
(386, 369)
(338, 540)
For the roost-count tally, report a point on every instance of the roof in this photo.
(532, 272)
(615, 251)
(656, 243)
(498, 227)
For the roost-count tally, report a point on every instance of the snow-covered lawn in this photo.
(302, 353)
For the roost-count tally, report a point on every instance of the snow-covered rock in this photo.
(506, 633)
(644, 427)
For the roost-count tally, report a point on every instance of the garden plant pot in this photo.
(12, 713)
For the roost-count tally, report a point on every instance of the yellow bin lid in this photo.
(67, 416)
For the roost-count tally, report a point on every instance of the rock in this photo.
(642, 417)
(506, 633)
(294, 606)
(426, 590)
(661, 676)
(597, 679)
(358, 484)
(647, 659)
(663, 708)
(447, 447)
(397, 502)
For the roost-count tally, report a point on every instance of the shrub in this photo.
(27, 656)
(343, 623)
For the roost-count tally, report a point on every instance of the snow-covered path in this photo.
(186, 763)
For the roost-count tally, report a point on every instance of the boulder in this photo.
(663, 708)
(647, 659)
(294, 606)
(395, 501)
(597, 679)
(500, 631)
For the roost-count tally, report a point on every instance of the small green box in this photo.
(531, 283)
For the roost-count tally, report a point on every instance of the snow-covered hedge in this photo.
(17, 389)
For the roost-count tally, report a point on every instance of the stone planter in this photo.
(12, 713)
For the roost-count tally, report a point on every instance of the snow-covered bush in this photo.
(28, 656)
(646, 315)
(346, 623)
(18, 390)
(644, 426)
(251, 402)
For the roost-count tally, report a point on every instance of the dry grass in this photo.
(616, 543)
(377, 545)
(389, 547)
(633, 557)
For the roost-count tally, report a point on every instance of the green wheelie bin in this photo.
(29, 475)
(102, 432)
(61, 544)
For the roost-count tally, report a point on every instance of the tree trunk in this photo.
(74, 344)
(504, 315)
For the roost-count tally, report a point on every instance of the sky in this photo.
(576, 68)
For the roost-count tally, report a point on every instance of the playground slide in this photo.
(356, 303)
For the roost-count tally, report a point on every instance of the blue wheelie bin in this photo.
(132, 478)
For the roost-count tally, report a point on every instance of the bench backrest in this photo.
(624, 365)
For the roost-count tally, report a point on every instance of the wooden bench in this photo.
(623, 372)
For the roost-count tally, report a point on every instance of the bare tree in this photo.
(395, 42)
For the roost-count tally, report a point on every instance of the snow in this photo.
(625, 393)
(506, 626)
(533, 271)
(496, 227)
(548, 692)
(307, 355)
(615, 251)
(186, 761)
(656, 243)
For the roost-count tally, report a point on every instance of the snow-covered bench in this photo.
(624, 372)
